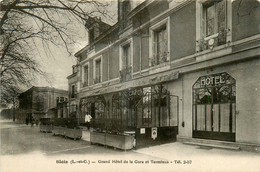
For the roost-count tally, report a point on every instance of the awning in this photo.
(135, 83)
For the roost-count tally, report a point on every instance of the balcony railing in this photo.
(97, 80)
(126, 74)
(159, 58)
(214, 40)
(85, 84)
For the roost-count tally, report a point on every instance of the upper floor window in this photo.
(215, 19)
(126, 60)
(213, 23)
(159, 43)
(85, 75)
(73, 91)
(126, 56)
(97, 70)
(91, 35)
(126, 7)
(74, 69)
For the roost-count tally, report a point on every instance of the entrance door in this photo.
(214, 104)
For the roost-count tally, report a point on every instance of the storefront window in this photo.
(154, 109)
(123, 109)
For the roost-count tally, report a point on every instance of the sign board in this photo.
(154, 132)
(142, 130)
(213, 80)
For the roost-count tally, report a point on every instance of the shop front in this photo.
(144, 113)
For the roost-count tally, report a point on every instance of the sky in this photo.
(57, 63)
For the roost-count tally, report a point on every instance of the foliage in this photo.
(61, 122)
(27, 24)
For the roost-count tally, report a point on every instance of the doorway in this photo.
(214, 107)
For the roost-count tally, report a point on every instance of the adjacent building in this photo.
(174, 70)
(73, 90)
(36, 101)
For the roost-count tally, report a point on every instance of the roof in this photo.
(44, 89)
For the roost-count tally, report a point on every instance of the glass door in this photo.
(214, 108)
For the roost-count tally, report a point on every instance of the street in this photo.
(21, 139)
(27, 149)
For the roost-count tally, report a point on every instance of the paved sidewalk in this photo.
(85, 134)
(208, 159)
(10, 124)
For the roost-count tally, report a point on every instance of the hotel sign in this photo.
(213, 80)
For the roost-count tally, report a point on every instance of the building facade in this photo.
(36, 101)
(182, 70)
(73, 90)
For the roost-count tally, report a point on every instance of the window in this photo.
(159, 43)
(125, 9)
(147, 108)
(73, 91)
(39, 102)
(97, 70)
(74, 69)
(154, 108)
(215, 20)
(91, 35)
(123, 110)
(126, 56)
(213, 23)
(126, 52)
(85, 76)
(126, 6)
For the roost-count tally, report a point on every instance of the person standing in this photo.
(88, 118)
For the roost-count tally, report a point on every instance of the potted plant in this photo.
(72, 130)
(46, 124)
(59, 126)
(112, 135)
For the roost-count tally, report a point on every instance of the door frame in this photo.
(209, 83)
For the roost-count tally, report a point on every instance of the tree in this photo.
(26, 22)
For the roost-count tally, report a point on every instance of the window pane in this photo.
(224, 112)
(147, 106)
(98, 71)
(201, 117)
(99, 109)
(126, 56)
(216, 117)
(208, 117)
(162, 47)
(164, 113)
(221, 16)
(173, 111)
(86, 75)
(203, 96)
(210, 18)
